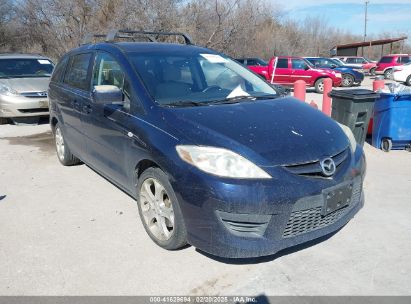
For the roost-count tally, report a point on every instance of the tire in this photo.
(347, 80)
(3, 121)
(155, 195)
(386, 144)
(64, 154)
(372, 71)
(319, 85)
(408, 81)
(388, 74)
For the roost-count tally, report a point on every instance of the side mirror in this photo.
(306, 67)
(107, 94)
(333, 66)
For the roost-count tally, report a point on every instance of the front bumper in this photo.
(21, 106)
(251, 219)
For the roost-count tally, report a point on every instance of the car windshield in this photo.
(336, 62)
(25, 67)
(198, 78)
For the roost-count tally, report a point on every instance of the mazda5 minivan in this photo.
(212, 154)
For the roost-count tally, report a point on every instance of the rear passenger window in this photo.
(282, 63)
(404, 59)
(59, 70)
(385, 60)
(77, 74)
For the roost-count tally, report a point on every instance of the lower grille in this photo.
(303, 221)
(34, 110)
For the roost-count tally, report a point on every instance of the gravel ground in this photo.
(68, 231)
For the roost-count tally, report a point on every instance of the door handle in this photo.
(87, 109)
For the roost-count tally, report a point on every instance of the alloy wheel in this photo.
(347, 81)
(59, 144)
(157, 209)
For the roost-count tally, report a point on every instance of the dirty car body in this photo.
(24, 80)
(175, 103)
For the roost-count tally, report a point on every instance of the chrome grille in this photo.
(34, 94)
(313, 168)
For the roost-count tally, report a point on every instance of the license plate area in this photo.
(336, 198)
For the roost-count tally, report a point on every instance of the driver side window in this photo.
(107, 71)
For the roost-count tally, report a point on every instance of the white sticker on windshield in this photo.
(43, 61)
(214, 58)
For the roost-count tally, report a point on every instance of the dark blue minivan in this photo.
(212, 154)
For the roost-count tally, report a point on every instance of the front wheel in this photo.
(3, 120)
(160, 211)
(347, 80)
(386, 144)
(64, 154)
(388, 74)
(372, 72)
(408, 81)
(319, 85)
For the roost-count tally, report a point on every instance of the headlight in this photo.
(348, 132)
(5, 90)
(338, 75)
(221, 162)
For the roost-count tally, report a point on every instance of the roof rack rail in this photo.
(129, 34)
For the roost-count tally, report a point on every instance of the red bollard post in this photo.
(328, 85)
(299, 90)
(378, 84)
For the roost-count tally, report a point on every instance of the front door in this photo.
(107, 126)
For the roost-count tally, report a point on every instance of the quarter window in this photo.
(59, 70)
(77, 74)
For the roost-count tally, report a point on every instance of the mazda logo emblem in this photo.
(328, 166)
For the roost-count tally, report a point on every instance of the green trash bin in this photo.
(354, 109)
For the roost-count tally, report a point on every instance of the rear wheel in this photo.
(386, 144)
(388, 74)
(319, 85)
(408, 81)
(347, 80)
(64, 154)
(159, 210)
(372, 71)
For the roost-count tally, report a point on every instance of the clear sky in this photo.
(392, 16)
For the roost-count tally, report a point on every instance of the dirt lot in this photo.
(68, 231)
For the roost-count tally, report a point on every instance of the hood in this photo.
(29, 84)
(272, 132)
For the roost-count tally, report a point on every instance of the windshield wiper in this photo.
(230, 100)
(184, 103)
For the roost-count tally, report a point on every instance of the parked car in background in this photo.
(257, 65)
(367, 65)
(290, 69)
(350, 75)
(403, 73)
(212, 154)
(24, 79)
(386, 63)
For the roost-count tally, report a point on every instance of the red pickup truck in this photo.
(290, 69)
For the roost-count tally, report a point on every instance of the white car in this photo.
(403, 73)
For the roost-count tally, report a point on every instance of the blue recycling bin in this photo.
(392, 122)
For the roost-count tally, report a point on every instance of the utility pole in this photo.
(365, 23)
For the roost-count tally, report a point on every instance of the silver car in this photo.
(24, 80)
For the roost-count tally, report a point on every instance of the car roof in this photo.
(21, 56)
(132, 47)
